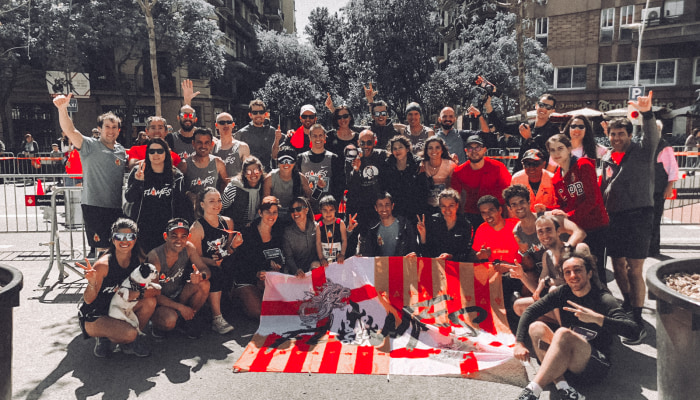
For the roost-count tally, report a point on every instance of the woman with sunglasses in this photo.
(400, 179)
(580, 131)
(286, 182)
(155, 194)
(436, 171)
(343, 133)
(214, 239)
(107, 274)
(261, 251)
(299, 243)
(242, 195)
(576, 185)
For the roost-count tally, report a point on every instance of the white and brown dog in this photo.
(139, 280)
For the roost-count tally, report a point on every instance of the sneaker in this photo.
(636, 340)
(138, 347)
(570, 394)
(527, 394)
(157, 334)
(220, 325)
(102, 347)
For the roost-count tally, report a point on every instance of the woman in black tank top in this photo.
(214, 239)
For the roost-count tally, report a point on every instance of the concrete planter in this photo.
(677, 332)
(10, 286)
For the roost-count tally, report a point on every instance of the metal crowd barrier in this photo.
(74, 254)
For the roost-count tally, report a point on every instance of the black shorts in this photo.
(629, 233)
(98, 222)
(596, 369)
(87, 314)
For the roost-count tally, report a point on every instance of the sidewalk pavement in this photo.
(51, 360)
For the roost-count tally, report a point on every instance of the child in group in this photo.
(331, 234)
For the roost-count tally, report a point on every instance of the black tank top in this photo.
(115, 276)
(214, 240)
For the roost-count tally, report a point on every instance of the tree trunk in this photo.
(147, 6)
(522, 97)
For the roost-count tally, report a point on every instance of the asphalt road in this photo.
(52, 361)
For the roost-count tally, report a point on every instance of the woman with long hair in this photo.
(400, 179)
(155, 194)
(299, 243)
(344, 131)
(436, 168)
(214, 239)
(103, 279)
(261, 251)
(576, 185)
(242, 195)
(580, 132)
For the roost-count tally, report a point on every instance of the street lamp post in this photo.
(639, 45)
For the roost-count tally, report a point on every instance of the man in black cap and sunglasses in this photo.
(536, 135)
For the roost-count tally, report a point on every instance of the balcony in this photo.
(669, 34)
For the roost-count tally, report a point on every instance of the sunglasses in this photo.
(366, 142)
(188, 115)
(343, 116)
(297, 209)
(156, 151)
(545, 106)
(258, 112)
(286, 160)
(225, 122)
(253, 171)
(305, 116)
(582, 127)
(130, 237)
(530, 164)
(475, 148)
(380, 113)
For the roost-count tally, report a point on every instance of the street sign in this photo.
(37, 200)
(636, 91)
(73, 105)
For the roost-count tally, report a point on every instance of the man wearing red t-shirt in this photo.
(156, 127)
(494, 241)
(478, 177)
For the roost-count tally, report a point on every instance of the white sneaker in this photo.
(220, 325)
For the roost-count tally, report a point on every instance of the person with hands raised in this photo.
(628, 195)
(215, 240)
(579, 349)
(103, 279)
(184, 279)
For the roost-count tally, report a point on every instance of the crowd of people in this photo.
(214, 215)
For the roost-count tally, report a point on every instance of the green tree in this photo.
(325, 33)
(292, 72)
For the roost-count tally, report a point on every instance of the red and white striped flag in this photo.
(386, 315)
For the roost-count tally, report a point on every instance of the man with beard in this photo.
(391, 236)
(184, 281)
(181, 141)
(103, 162)
(536, 135)
(381, 124)
(363, 180)
(322, 169)
(155, 128)
(455, 139)
(299, 140)
(415, 131)
(263, 140)
(231, 151)
(477, 177)
(203, 169)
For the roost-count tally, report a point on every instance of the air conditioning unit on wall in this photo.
(651, 14)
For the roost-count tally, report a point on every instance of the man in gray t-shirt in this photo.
(104, 161)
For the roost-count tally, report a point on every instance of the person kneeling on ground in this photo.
(579, 349)
(183, 279)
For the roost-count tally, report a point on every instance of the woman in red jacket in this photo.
(576, 187)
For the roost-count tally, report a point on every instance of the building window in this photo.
(567, 78)
(651, 73)
(626, 19)
(542, 30)
(673, 8)
(696, 72)
(607, 24)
